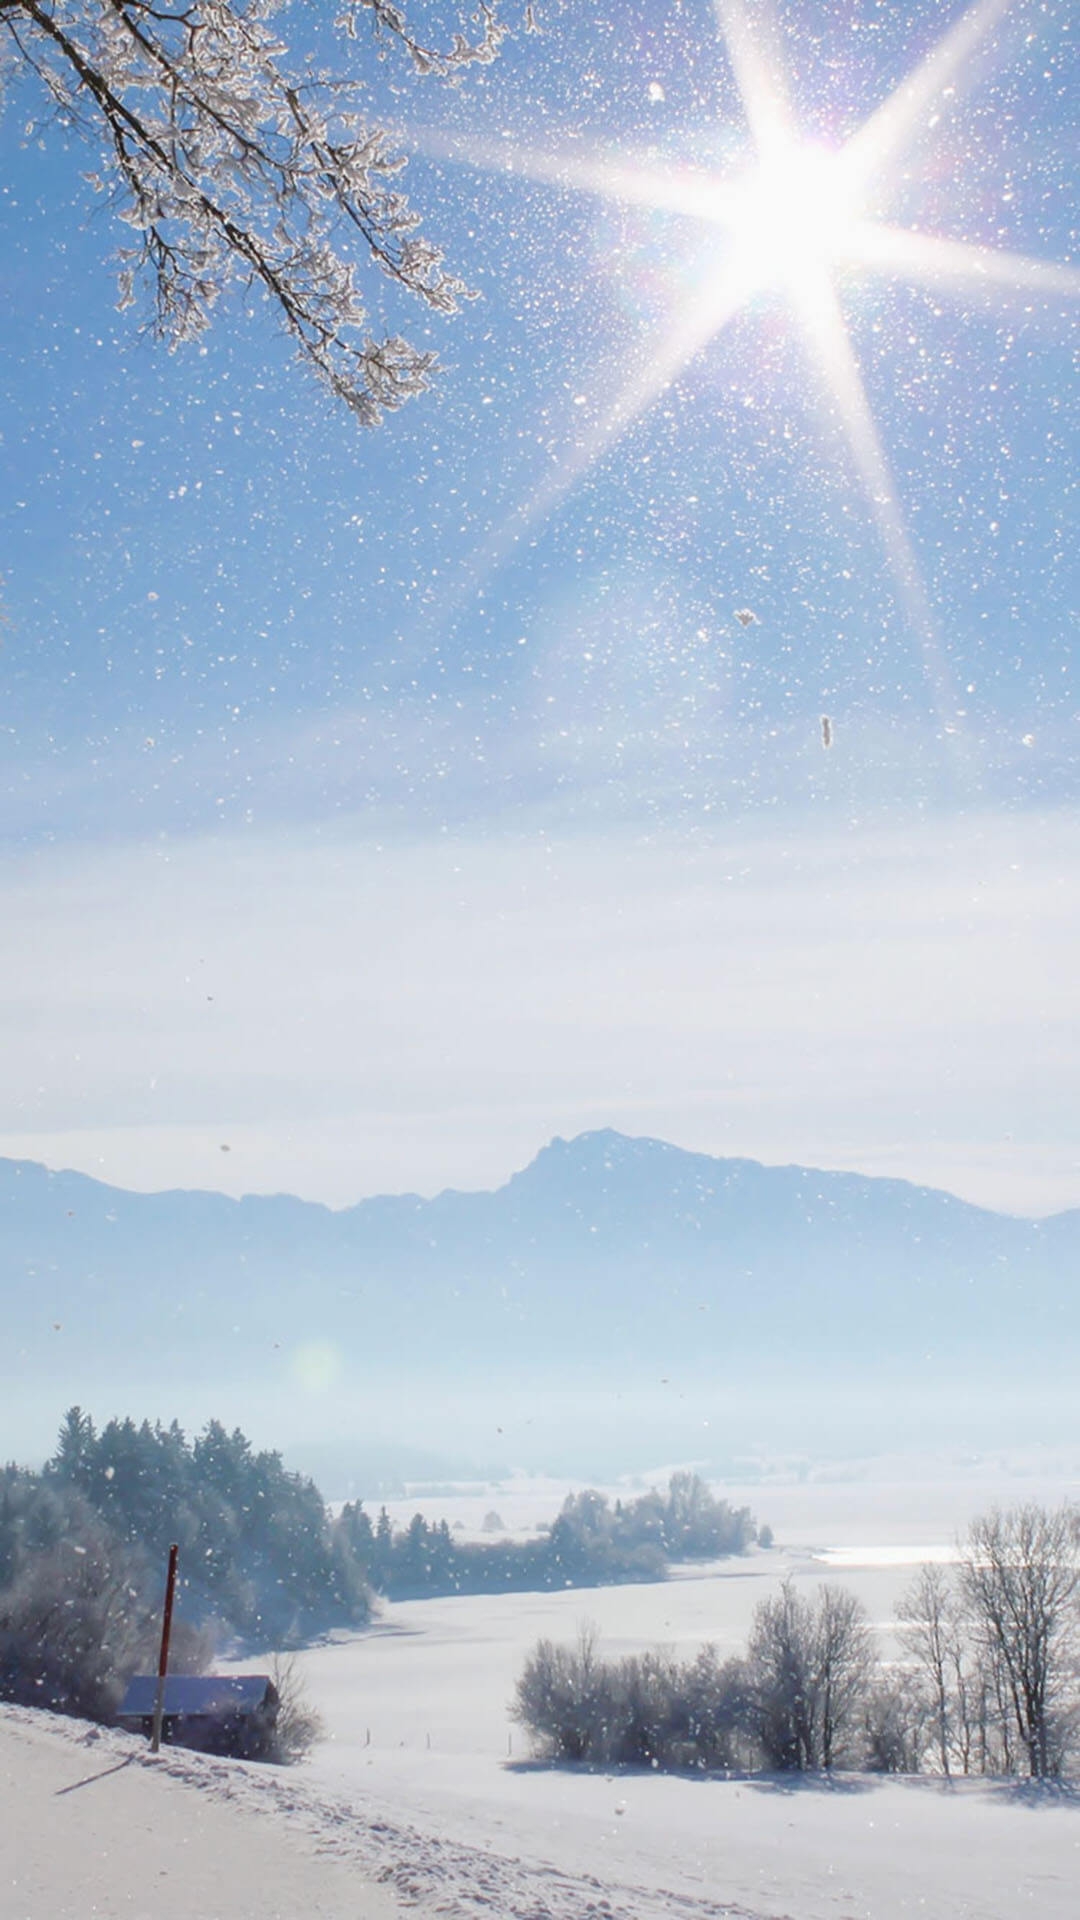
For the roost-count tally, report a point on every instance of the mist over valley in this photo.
(618, 1303)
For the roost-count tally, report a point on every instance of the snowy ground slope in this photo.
(415, 1802)
(418, 1714)
(92, 1828)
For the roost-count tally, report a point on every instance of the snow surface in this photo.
(423, 1795)
(418, 1713)
(94, 1828)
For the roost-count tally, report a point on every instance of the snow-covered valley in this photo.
(423, 1796)
(421, 1733)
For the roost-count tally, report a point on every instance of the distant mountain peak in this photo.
(600, 1144)
(584, 1155)
(595, 1144)
(605, 1150)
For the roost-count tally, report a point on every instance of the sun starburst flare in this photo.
(794, 218)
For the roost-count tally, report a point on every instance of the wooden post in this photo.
(163, 1657)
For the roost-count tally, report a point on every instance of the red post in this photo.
(163, 1657)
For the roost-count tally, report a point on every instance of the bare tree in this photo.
(1021, 1579)
(229, 162)
(780, 1660)
(993, 1728)
(932, 1632)
(781, 1680)
(810, 1663)
(843, 1666)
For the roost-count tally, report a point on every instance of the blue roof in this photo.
(214, 1693)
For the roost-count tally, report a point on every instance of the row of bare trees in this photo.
(989, 1681)
(797, 1701)
(996, 1647)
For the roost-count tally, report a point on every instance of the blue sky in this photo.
(377, 805)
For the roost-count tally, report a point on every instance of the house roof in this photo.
(214, 1693)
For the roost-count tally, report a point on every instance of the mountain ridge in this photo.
(606, 1267)
(558, 1146)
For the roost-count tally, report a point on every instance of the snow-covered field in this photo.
(423, 1796)
(420, 1730)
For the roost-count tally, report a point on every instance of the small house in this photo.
(231, 1713)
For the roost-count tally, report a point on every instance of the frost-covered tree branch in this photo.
(228, 165)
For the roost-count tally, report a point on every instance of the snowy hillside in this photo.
(415, 1803)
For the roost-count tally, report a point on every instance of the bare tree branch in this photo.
(230, 168)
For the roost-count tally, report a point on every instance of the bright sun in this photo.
(795, 213)
(791, 220)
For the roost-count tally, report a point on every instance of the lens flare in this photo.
(789, 222)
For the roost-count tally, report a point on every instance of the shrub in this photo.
(644, 1710)
(298, 1724)
(560, 1698)
(895, 1722)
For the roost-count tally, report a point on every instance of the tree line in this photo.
(988, 1682)
(592, 1542)
(263, 1561)
(83, 1544)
